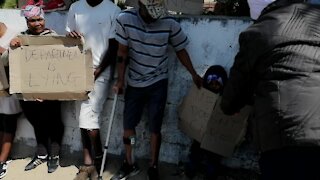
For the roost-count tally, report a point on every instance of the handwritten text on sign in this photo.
(52, 67)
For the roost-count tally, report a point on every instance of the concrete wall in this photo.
(213, 40)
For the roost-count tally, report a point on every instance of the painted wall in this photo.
(213, 40)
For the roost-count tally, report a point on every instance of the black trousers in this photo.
(294, 163)
(45, 118)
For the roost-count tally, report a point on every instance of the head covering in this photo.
(156, 8)
(215, 73)
(256, 7)
(31, 11)
(214, 77)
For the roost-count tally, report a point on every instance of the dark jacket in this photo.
(278, 64)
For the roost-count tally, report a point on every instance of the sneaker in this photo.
(36, 161)
(54, 5)
(84, 172)
(153, 173)
(94, 175)
(3, 169)
(53, 163)
(126, 171)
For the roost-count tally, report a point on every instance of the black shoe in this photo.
(153, 173)
(36, 161)
(126, 171)
(3, 169)
(53, 163)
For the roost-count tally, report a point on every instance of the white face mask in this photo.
(256, 7)
(156, 8)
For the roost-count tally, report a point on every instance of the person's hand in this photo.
(15, 42)
(197, 80)
(118, 87)
(74, 34)
(97, 73)
(2, 50)
(39, 100)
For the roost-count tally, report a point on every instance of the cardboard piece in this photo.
(195, 112)
(50, 68)
(201, 118)
(192, 7)
(224, 132)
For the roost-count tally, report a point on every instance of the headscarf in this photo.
(256, 7)
(31, 11)
(156, 8)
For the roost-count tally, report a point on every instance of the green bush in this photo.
(8, 4)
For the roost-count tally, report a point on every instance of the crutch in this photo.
(108, 135)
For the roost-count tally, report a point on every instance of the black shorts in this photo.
(8, 122)
(154, 96)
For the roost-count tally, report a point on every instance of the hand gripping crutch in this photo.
(108, 135)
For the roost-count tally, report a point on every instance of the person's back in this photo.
(286, 71)
(278, 65)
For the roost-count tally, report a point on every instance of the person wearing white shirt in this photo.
(10, 109)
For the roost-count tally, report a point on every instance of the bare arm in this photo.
(2, 50)
(122, 57)
(109, 58)
(185, 60)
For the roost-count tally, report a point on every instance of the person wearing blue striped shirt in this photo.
(144, 35)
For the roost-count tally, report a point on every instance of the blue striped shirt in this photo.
(148, 46)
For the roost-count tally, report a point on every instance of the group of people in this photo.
(276, 67)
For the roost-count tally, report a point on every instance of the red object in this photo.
(33, 2)
(54, 5)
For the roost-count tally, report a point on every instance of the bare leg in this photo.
(128, 147)
(1, 140)
(91, 145)
(86, 147)
(155, 148)
(6, 146)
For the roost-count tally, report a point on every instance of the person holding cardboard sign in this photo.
(45, 116)
(144, 35)
(94, 21)
(10, 109)
(278, 65)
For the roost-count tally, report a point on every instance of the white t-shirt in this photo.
(8, 105)
(7, 37)
(97, 25)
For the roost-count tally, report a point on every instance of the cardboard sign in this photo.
(193, 7)
(224, 132)
(51, 67)
(195, 112)
(201, 118)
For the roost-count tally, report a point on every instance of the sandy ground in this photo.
(16, 171)
(68, 172)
